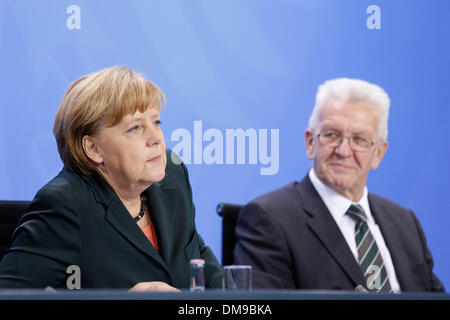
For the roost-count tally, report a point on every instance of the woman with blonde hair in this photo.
(120, 209)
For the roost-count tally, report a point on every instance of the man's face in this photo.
(341, 168)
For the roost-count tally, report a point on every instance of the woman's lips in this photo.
(155, 159)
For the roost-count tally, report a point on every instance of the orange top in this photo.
(149, 231)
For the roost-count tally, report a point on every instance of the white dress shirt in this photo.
(338, 205)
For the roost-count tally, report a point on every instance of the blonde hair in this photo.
(97, 100)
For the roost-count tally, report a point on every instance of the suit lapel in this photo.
(326, 229)
(120, 219)
(162, 203)
(118, 216)
(392, 241)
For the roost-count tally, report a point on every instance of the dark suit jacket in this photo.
(292, 241)
(79, 220)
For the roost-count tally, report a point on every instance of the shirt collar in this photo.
(336, 203)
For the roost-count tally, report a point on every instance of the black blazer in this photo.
(79, 220)
(292, 241)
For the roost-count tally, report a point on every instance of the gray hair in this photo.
(353, 90)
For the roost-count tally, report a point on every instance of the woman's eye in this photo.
(133, 128)
(157, 123)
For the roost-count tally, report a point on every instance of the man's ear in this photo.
(309, 143)
(91, 149)
(380, 152)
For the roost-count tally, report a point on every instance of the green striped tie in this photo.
(370, 260)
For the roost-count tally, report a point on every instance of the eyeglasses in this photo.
(334, 139)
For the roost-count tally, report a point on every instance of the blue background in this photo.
(238, 64)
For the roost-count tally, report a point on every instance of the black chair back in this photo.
(229, 214)
(10, 213)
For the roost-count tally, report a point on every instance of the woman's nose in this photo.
(154, 136)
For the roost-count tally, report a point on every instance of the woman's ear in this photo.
(91, 149)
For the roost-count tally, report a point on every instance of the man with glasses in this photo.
(327, 232)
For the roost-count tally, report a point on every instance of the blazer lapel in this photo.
(162, 204)
(393, 242)
(118, 216)
(120, 219)
(326, 229)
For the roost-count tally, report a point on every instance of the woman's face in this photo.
(132, 153)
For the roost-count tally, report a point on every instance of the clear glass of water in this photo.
(237, 277)
(197, 281)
